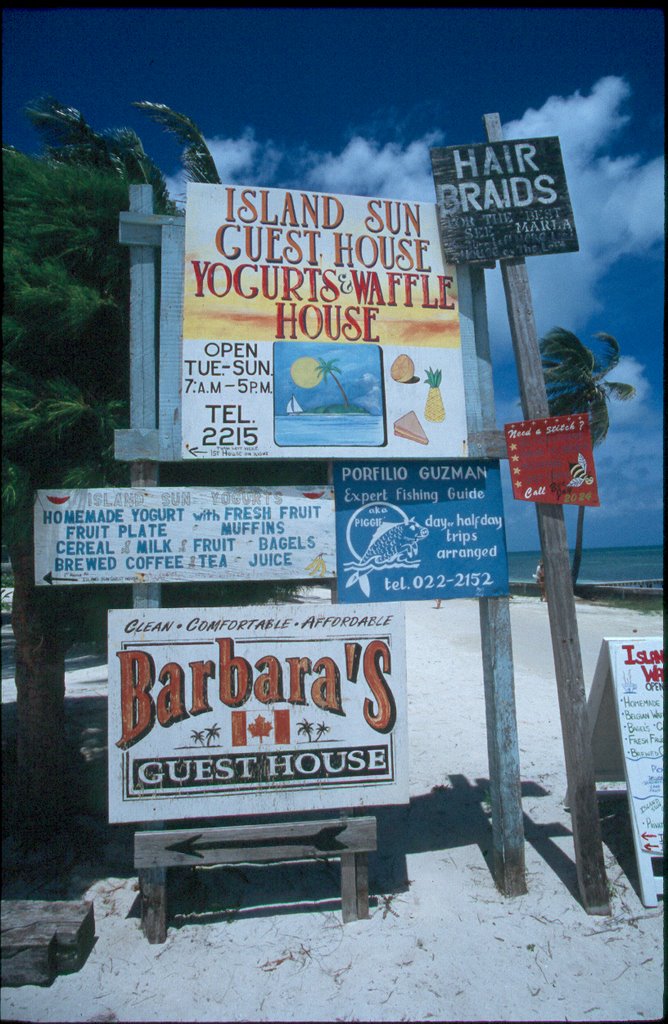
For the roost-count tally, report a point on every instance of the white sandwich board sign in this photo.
(625, 710)
(317, 324)
(195, 534)
(267, 709)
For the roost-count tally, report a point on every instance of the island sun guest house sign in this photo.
(318, 323)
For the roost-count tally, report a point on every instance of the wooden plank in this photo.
(171, 324)
(354, 887)
(502, 747)
(495, 633)
(137, 445)
(255, 843)
(73, 925)
(144, 229)
(589, 860)
(153, 895)
(487, 444)
(142, 319)
(28, 955)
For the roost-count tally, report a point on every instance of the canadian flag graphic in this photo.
(259, 727)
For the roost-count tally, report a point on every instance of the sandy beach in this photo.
(251, 943)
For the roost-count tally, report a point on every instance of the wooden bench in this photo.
(350, 839)
(41, 939)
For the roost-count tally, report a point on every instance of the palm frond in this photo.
(599, 420)
(560, 346)
(607, 355)
(59, 125)
(622, 392)
(197, 160)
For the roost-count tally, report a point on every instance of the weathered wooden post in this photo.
(560, 598)
(145, 473)
(495, 633)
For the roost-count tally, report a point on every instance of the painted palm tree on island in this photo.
(574, 380)
(330, 369)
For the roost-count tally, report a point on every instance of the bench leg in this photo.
(354, 886)
(153, 893)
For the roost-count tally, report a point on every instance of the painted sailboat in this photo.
(293, 407)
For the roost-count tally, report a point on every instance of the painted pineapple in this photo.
(434, 410)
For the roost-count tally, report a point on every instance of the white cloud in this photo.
(618, 204)
(617, 200)
(364, 167)
(243, 161)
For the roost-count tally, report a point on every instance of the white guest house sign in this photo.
(267, 709)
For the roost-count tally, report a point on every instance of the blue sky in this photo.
(351, 100)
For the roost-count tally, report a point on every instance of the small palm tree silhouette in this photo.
(305, 728)
(321, 730)
(197, 737)
(212, 733)
(327, 369)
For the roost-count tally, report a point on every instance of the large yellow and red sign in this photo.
(318, 324)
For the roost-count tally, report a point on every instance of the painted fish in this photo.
(391, 544)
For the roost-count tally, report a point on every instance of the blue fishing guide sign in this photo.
(417, 530)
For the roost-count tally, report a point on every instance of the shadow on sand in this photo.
(451, 815)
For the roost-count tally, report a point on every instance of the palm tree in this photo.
(305, 728)
(196, 158)
(212, 733)
(326, 369)
(69, 139)
(574, 381)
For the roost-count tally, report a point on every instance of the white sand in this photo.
(267, 944)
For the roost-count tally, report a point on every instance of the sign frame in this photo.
(503, 200)
(558, 446)
(190, 534)
(256, 670)
(145, 444)
(609, 714)
(417, 530)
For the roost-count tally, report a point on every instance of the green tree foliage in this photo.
(69, 139)
(65, 386)
(65, 391)
(575, 383)
(196, 157)
(65, 330)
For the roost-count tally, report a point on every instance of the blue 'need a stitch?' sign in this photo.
(415, 530)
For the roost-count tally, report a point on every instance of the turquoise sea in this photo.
(599, 565)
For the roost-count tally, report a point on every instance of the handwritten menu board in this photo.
(162, 535)
(551, 460)
(626, 717)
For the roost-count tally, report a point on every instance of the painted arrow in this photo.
(195, 451)
(325, 840)
(648, 835)
(51, 579)
(651, 846)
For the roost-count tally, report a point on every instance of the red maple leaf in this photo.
(260, 727)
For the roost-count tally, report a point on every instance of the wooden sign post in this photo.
(560, 599)
(145, 473)
(484, 442)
